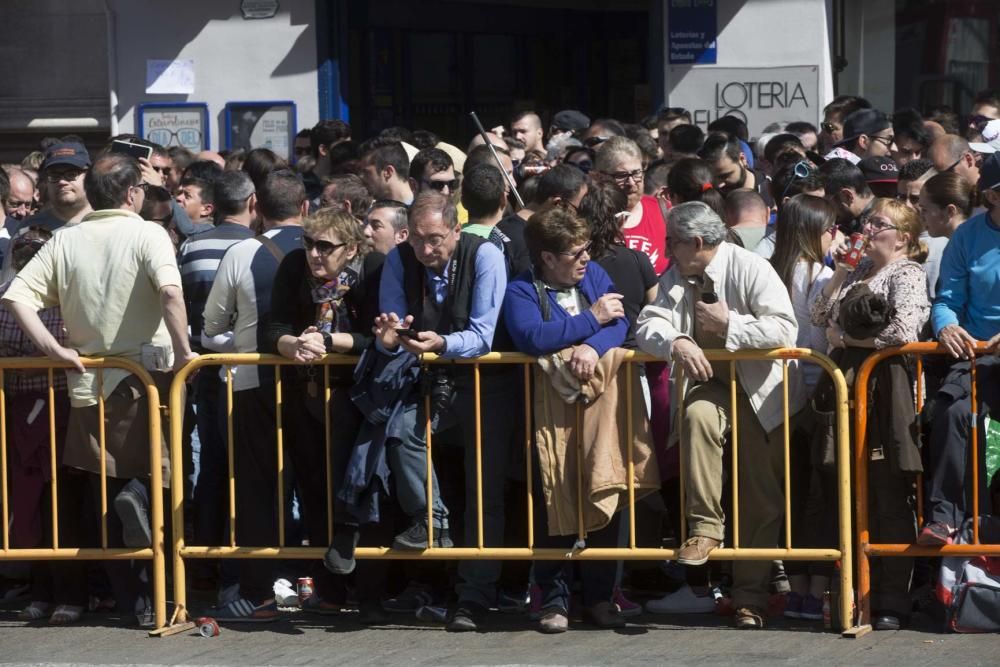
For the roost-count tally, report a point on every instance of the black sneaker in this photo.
(132, 506)
(414, 538)
(339, 558)
(467, 617)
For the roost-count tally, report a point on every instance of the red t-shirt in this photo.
(650, 235)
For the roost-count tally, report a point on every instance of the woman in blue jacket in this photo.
(567, 301)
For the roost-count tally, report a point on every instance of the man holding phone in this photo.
(447, 287)
(719, 296)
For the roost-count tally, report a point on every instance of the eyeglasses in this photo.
(913, 199)
(452, 185)
(621, 177)
(583, 165)
(579, 253)
(799, 171)
(68, 175)
(829, 128)
(567, 205)
(878, 224)
(954, 164)
(591, 142)
(431, 241)
(324, 248)
(143, 186)
(832, 231)
(885, 141)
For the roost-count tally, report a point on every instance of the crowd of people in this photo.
(573, 244)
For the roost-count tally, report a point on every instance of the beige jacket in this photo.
(760, 317)
(600, 405)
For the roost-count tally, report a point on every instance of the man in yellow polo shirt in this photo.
(115, 277)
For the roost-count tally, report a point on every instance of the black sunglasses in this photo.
(324, 248)
(441, 185)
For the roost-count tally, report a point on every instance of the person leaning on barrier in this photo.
(966, 310)
(566, 312)
(323, 301)
(718, 296)
(448, 285)
(115, 278)
(881, 303)
(447, 288)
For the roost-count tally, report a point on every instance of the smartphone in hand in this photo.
(129, 148)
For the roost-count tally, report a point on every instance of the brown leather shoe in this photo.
(696, 550)
(553, 621)
(604, 615)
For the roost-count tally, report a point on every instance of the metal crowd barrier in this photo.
(156, 552)
(865, 547)
(182, 552)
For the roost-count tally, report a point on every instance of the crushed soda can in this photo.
(207, 627)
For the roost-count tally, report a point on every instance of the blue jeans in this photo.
(407, 461)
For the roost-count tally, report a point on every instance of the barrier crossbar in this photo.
(156, 552)
(180, 551)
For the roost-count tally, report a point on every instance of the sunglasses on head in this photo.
(801, 170)
(324, 248)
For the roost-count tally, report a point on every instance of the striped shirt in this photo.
(198, 260)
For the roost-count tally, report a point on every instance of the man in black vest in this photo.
(447, 287)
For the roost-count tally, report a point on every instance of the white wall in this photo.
(234, 59)
(870, 45)
(766, 33)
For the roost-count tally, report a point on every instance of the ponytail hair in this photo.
(692, 179)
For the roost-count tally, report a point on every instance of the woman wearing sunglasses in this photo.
(886, 296)
(324, 299)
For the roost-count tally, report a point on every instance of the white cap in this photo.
(991, 139)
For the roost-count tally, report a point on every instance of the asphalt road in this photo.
(340, 640)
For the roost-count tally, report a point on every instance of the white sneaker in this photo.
(682, 601)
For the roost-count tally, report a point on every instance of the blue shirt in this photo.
(968, 291)
(487, 297)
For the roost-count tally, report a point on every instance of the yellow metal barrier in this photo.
(181, 551)
(156, 552)
(865, 547)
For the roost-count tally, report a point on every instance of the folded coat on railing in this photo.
(602, 441)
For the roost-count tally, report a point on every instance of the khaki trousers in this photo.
(707, 420)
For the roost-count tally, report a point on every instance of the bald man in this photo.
(527, 127)
(952, 153)
(19, 203)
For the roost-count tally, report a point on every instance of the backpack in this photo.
(969, 588)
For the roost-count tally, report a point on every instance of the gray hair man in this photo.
(719, 296)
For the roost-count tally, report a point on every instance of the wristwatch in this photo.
(328, 341)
